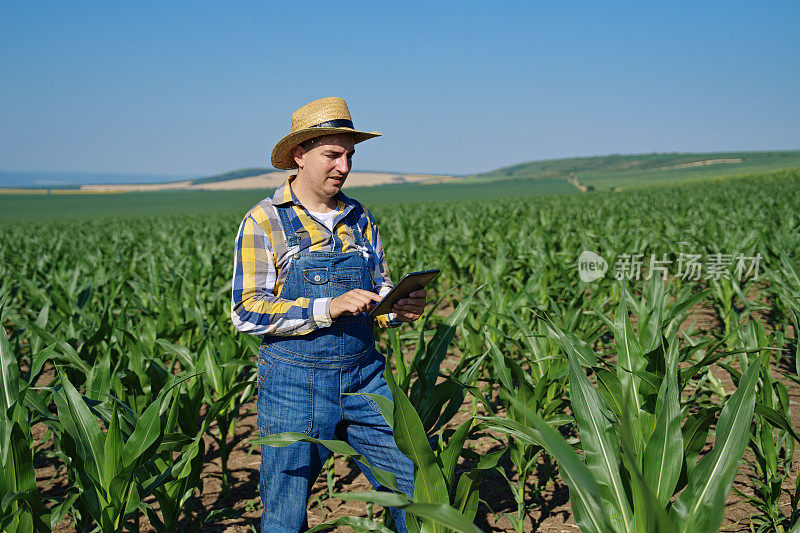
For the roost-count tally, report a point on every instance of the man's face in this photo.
(326, 165)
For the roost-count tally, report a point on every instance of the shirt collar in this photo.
(285, 195)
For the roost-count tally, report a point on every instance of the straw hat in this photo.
(326, 116)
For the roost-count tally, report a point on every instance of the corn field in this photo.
(647, 396)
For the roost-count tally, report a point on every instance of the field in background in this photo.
(33, 206)
(626, 171)
(585, 174)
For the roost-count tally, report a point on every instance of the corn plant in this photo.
(109, 466)
(772, 440)
(623, 440)
(22, 506)
(543, 395)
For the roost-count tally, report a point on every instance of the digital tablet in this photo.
(411, 282)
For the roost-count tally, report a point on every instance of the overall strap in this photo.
(357, 235)
(289, 233)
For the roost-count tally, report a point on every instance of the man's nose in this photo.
(343, 164)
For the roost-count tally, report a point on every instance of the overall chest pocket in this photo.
(316, 276)
(348, 278)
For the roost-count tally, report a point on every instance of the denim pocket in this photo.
(347, 275)
(316, 276)
(285, 399)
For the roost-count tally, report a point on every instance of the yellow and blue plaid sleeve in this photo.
(381, 281)
(255, 309)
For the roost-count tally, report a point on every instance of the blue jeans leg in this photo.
(369, 434)
(287, 476)
(290, 399)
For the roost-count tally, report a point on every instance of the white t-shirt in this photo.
(325, 218)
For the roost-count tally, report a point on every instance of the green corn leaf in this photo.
(18, 475)
(610, 389)
(526, 434)
(467, 494)
(796, 325)
(278, 440)
(490, 460)
(220, 404)
(9, 375)
(795, 527)
(584, 490)
(570, 343)
(124, 496)
(397, 351)
(182, 352)
(695, 431)
(523, 393)
(649, 513)
(31, 514)
(712, 355)
(436, 350)
(438, 513)
(684, 304)
(630, 358)
(82, 426)
(212, 369)
(500, 364)
(385, 405)
(663, 453)
(38, 362)
(409, 434)
(41, 321)
(112, 450)
(452, 451)
(98, 380)
(60, 510)
(146, 433)
(600, 444)
(701, 505)
(777, 419)
(430, 408)
(352, 523)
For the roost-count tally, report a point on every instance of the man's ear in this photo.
(298, 152)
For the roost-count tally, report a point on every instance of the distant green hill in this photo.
(233, 175)
(625, 171)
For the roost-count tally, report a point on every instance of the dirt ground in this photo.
(551, 512)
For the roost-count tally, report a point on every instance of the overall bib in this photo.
(303, 385)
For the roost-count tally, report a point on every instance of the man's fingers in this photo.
(371, 295)
(353, 302)
(410, 308)
(422, 293)
(357, 303)
(413, 301)
(364, 296)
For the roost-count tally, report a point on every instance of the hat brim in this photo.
(282, 156)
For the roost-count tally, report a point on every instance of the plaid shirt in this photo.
(262, 260)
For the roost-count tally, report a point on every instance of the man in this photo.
(308, 266)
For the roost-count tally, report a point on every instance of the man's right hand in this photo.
(352, 303)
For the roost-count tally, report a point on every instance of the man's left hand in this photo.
(411, 307)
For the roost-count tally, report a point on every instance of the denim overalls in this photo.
(303, 381)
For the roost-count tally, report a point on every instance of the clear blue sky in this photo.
(458, 87)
